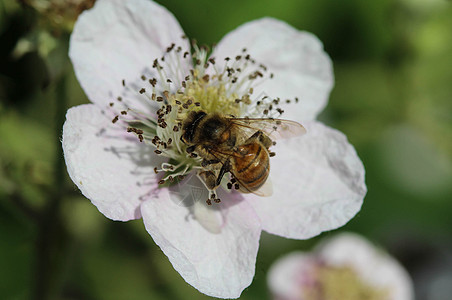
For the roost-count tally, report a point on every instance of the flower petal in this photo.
(296, 58)
(111, 170)
(374, 266)
(217, 264)
(318, 184)
(286, 276)
(119, 40)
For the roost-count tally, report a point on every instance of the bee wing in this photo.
(275, 129)
(266, 190)
(188, 191)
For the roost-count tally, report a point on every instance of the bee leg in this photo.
(190, 149)
(206, 162)
(224, 169)
(262, 138)
(209, 179)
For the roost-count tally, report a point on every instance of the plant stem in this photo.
(52, 237)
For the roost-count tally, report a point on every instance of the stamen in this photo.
(228, 90)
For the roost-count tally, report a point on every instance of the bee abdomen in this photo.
(252, 168)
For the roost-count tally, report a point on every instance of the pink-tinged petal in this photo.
(287, 275)
(375, 267)
(318, 184)
(119, 40)
(112, 170)
(300, 66)
(219, 263)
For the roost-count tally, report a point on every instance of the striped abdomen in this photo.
(251, 166)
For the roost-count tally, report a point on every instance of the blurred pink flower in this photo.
(346, 266)
(132, 61)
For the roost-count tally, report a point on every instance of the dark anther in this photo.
(153, 81)
(166, 94)
(170, 47)
(115, 119)
(142, 91)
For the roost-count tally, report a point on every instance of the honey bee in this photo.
(239, 146)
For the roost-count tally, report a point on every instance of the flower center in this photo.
(340, 282)
(172, 90)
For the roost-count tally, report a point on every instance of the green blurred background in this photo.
(392, 98)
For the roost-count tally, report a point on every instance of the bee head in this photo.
(190, 125)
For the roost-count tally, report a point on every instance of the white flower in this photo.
(133, 63)
(343, 267)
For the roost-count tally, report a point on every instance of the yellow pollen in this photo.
(209, 94)
(334, 283)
